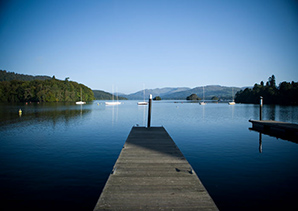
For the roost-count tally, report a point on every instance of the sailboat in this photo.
(233, 102)
(80, 102)
(203, 103)
(113, 102)
(144, 102)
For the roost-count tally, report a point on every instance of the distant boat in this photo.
(233, 102)
(144, 102)
(80, 102)
(113, 102)
(203, 103)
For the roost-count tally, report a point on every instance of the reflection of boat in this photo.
(233, 102)
(80, 102)
(203, 103)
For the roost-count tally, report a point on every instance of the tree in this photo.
(271, 81)
(157, 98)
(49, 90)
(285, 94)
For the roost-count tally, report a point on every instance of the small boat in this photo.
(142, 103)
(113, 102)
(80, 102)
(203, 103)
(233, 102)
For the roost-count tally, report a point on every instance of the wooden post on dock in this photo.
(261, 106)
(149, 111)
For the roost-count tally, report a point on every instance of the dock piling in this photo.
(261, 107)
(149, 111)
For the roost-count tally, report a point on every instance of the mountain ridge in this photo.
(180, 93)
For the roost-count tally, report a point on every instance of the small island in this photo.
(157, 98)
(193, 97)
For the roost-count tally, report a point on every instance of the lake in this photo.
(59, 155)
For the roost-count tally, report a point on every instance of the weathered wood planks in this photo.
(151, 173)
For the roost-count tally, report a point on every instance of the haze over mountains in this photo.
(180, 93)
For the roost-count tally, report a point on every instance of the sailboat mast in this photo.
(203, 93)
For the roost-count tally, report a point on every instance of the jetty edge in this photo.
(151, 173)
(283, 130)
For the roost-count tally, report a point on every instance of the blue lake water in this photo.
(59, 156)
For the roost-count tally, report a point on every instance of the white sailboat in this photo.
(80, 102)
(144, 102)
(233, 102)
(203, 103)
(113, 102)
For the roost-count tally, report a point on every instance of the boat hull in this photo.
(142, 103)
(112, 103)
(80, 103)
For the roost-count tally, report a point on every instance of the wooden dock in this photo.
(151, 173)
(282, 130)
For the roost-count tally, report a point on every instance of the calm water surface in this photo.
(59, 156)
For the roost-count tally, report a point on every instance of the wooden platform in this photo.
(152, 174)
(282, 130)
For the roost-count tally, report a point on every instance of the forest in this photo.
(284, 94)
(28, 89)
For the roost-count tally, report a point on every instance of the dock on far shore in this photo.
(151, 173)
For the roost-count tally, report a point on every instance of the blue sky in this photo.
(165, 43)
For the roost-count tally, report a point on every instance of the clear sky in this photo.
(159, 43)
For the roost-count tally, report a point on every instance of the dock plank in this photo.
(151, 173)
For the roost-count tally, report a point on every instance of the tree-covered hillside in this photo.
(285, 94)
(10, 76)
(49, 90)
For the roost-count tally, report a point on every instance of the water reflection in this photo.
(53, 112)
(114, 113)
(276, 135)
(271, 111)
(260, 142)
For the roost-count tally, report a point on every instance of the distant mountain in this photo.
(155, 92)
(180, 93)
(10, 76)
(102, 95)
(222, 92)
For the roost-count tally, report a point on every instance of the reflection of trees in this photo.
(41, 112)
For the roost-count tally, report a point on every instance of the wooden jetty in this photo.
(151, 173)
(283, 130)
